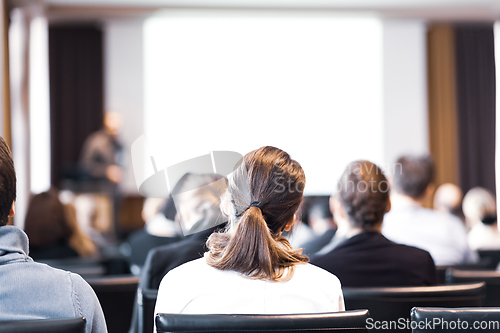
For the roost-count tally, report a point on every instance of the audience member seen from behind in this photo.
(301, 233)
(157, 231)
(448, 199)
(53, 229)
(443, 235)
(32, 290)
(481, 213)
(321, 221)
(366, 258)
(250, 268)
(199, 206)
(156, 223)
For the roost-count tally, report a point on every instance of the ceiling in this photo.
(434, 10)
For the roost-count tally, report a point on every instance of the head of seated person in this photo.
(156, 223)
(197, 200)
(480, 210)
(53, 229)
(413, 178)
(263, 195)
(448, 199)
(362, 199)
(320, 217)
(480, 207)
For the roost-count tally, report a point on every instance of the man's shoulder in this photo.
(409, 215)
(408, 251)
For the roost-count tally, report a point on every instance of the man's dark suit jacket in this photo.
(317, 243)
(371, 260)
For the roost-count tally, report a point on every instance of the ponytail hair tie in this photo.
(257, 204)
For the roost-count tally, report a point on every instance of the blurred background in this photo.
(329, 81)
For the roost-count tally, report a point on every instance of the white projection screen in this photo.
(308, 83)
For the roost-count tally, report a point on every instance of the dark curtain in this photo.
(475, 68)
(76, 93)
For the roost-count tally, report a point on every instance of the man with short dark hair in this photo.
(31, 290)
(443, 235)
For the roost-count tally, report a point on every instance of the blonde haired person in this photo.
(250, 267)
(481, 214)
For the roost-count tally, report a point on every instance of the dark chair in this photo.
(491, 278)
(91, 267)
(67, 325)
(143, 316)
(82, 266)
(138, 244)
(484, 320)
(146, 309)
(392, 303)
(158, 262)
(441, 270)
(349, 321)
(490, 258)
(117, 296)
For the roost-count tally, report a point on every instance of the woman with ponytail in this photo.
(249, 267)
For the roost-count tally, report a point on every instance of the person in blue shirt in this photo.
(32, 290)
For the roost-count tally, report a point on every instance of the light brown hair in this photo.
(49, 221)
(45, 222)
(252, 244)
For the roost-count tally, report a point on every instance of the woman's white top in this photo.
(197, 288)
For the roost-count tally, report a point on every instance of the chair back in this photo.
(484, 320)
(140, 242)
(117, 296)
(392, 303)
(490, 258)
(146, 309)
(441, 270)
(67, 325)
(82, 266)
(90, 267)
(348, 321)
(491, 278)
(146, 296)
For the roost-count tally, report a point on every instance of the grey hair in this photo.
(238, 193)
